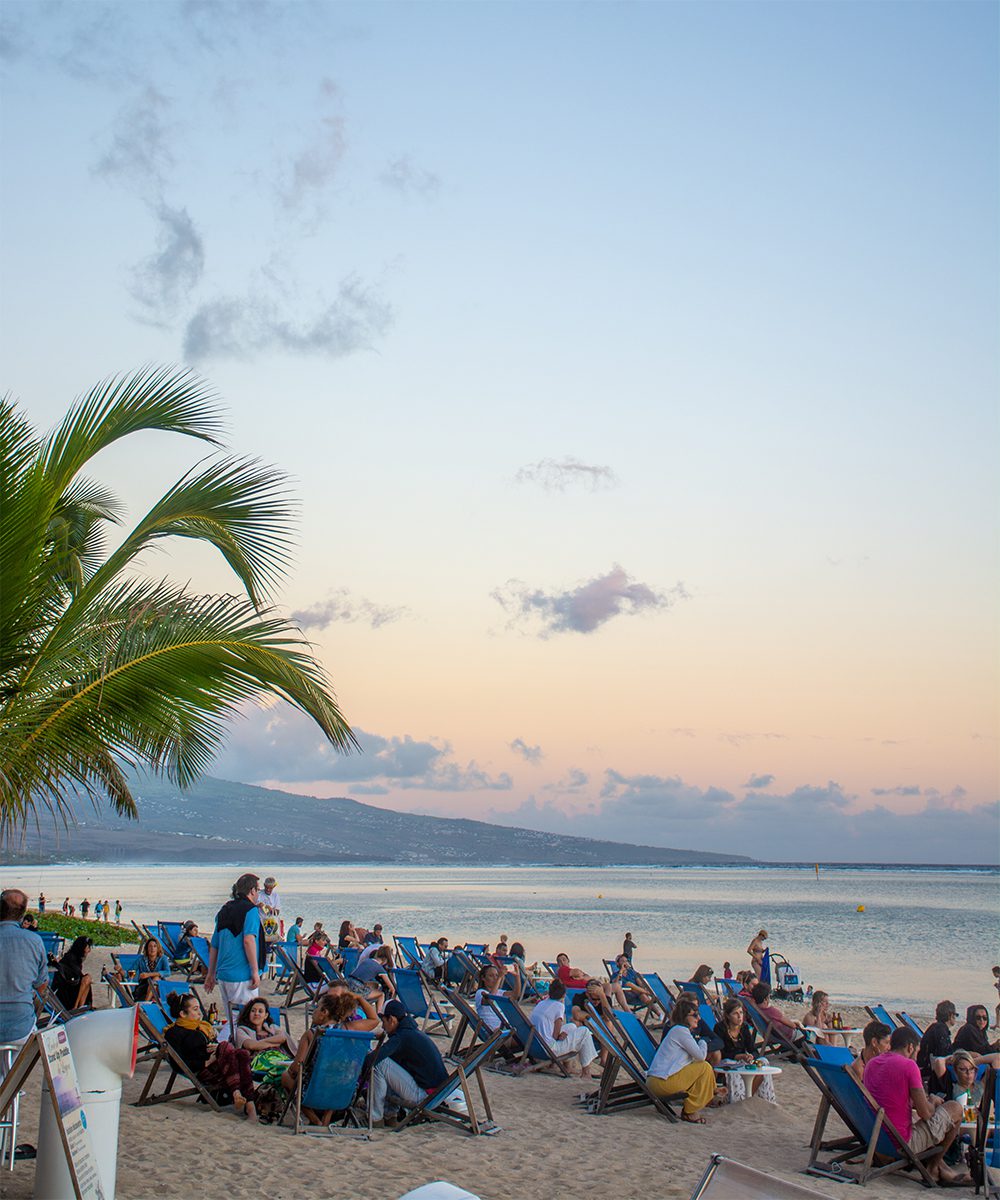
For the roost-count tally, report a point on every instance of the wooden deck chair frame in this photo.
(166, 1056)
(772, 1041)
(856, 1145)
(748, 1181)
(904, 1018)
(635, 1093)
(433, 1017)
(664, 1000)
(411, 958)
(533, 1044)
(297, 978)
(460, 1078)
(467, 1018)
(878, 1012)
(143, 931)
(984, 1157)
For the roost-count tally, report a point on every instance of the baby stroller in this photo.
(786, 984)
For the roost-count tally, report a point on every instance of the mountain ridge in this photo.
(238, 821)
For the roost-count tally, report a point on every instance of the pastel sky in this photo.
(636, 366)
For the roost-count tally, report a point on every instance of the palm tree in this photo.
(101, 668)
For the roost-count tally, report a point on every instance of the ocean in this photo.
(925, 934)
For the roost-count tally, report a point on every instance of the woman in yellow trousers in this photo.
(680, 1065)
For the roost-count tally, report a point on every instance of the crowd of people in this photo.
(924, 1083)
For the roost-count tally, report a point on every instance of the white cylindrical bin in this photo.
(103, 1045)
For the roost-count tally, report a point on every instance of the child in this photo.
(727, 971)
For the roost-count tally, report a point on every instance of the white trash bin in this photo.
(103, 1045)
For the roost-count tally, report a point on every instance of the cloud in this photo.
(280, 745)
(531, 754)
(241, 327)
(908, 790)
(759, 781)
(313, 169)
(402, 176)
(575, 781)
(811, 823)
(140, 156)
(161, 282)
(585, 608)
(341, 606)
(557, 475)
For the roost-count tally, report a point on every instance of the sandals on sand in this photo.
(693, 1119)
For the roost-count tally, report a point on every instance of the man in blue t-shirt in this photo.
(237, 949)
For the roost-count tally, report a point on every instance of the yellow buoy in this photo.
(861, 908)
(600, 895)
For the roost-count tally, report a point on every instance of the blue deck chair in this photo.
(612, 1096)
(350, 956)
(698, 990)
(552, 968)
(166, 986)
(726, 1178)
(708, 1015)
(462, 969)
(297, 980)
(431, 1013)
(408, 951)
(200, 950)
(153, 1023)
(336, 1062)
(840, 1055)
(724, 988)
(52, 942)
(128, 964)
(905, 1019)
(518, 1023)
(663, 996)
(985, 1150)
(144, 932)
(475, 947)
(871, 1134)
(636, 1035)
(435, 1107)
(879, 1012)
(771, 1040)
(168, 934)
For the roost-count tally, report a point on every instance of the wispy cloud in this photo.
(556, 475)
(759, 781)
(239, 327)
(341, 605)
(585, 608)
(572, 782)
(139, 154)
(164, 280)
(401, 175)
(530, 754)
(312, 170)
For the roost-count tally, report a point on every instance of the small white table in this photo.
(737, 1074)
(846, 1034)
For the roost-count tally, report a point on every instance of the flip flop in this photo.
(693, 1120)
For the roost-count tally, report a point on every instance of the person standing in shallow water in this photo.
(756, 951)
(628, 946)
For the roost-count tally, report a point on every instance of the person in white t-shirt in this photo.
(562, 1037)
(489, 985)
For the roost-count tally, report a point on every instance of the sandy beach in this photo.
(547, 1145)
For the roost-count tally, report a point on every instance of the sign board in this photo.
(71, 1119)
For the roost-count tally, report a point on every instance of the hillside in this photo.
(218, 821)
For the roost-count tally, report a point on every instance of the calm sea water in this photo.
(924, 935)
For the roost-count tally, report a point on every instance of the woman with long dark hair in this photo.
(72, 985)
(220, 1066)
(680, 1063)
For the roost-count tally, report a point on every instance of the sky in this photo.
(635, 366)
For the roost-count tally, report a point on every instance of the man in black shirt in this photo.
(408, 1065)
(936, 1042)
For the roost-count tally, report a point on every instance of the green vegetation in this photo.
(101, 669)
(99, 933)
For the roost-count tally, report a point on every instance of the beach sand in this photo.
(548, 1146)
